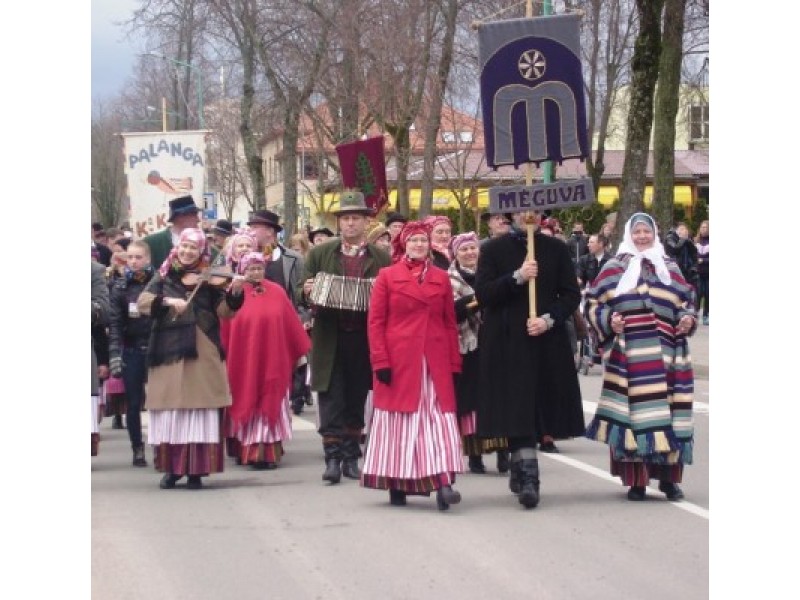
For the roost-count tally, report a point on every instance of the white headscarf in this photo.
(655, 254)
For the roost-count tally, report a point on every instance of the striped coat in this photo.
(645, 406)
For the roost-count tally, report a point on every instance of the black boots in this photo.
(476, 465)
(138, 456)
(397, 497)
(502, 461)
(351, 450)
(672, 491)
(524, 478)
(168, 481)
(116, 422)
(333, 461)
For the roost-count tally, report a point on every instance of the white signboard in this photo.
(162, 166)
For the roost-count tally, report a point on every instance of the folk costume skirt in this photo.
(415, 452)
(259, 440)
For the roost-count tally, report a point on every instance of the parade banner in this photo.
(364, 167)
(532, 90)
(159, 167)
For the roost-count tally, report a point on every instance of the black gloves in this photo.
(115, 366)
(384, 376)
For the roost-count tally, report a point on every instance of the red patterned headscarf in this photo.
(250, 258)
(191, 234)
(409, 229)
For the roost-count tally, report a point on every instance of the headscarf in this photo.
(234, 239)
(461, 239)
(655, 254)
(434, 221)
(409, 229)
(250, 258)
(191, 234)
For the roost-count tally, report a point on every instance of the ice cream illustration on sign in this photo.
(170, 185)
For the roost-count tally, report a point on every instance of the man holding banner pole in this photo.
(527, 372)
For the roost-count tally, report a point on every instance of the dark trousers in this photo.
(702, 294)
(134, 375)
(341, 407)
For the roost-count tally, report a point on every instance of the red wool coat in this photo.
(407, 321)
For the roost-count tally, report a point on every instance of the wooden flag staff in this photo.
(530, 220)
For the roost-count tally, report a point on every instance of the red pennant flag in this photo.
(364, 167)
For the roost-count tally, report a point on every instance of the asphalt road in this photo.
(287, 534)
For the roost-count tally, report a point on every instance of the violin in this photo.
(217, 277)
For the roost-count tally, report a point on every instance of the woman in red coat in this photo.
(265, 341)
(414, 445)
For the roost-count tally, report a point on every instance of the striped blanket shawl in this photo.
(645, 407)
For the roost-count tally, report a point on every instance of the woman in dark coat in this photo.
(527, 370)
(465, 249)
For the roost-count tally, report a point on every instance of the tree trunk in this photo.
(291, 122)
(252, 152)
(450, 11)
(644, 70)
(666, 110)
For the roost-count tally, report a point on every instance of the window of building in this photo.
(698, 122)
(465, 136)
(448, 137)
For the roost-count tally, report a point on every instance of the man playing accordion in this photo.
(341, 373)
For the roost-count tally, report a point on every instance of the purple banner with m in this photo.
(532, 90)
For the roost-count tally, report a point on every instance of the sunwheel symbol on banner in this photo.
(532, 64)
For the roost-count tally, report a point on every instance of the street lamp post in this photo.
(188, 65)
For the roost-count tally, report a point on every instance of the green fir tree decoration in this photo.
(365, 178)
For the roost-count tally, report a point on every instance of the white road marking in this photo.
(682, 504)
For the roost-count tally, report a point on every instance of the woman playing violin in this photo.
(187, 384)
(266, 338)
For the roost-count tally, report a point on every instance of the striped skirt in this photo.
(415, 452)
(186, 441)
(257, 440)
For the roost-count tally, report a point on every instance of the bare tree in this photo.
(108, 178)
(644, 68)
(438, 85)
(666, 110)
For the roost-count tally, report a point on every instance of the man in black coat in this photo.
(527, 370)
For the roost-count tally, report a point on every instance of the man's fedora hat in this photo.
(223, 227)
(395, 217)
(265, 217)
(182, 206)
(324, 230)
(352, 202)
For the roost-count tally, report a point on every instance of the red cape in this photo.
(263, 343)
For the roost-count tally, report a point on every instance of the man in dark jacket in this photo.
(577, 243)
(183, 214)
(341, 372)
(527, 370)
(681, 248)
(589, 264)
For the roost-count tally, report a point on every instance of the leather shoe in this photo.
(138, 457)
(168, 481)
(636, 493)
(476, 465)
(397, 497)
(194, 483)
(333, 470)
(503, 463)
(672, 491)
(549, 447)
(445, 496)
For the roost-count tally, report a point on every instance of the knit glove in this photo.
(384, 376)
(115, 366)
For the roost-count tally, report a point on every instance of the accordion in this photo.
(341, 292)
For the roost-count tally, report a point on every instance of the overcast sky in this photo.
(112, 57)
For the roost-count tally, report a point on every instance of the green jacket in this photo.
(160, 245)
(325, 258)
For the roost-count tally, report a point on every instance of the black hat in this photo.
(314, 232)
(487, 215)
(223, 227)
(265, 217)
(182, 206)
(395, 217)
